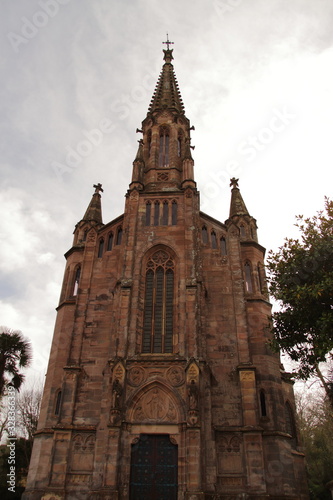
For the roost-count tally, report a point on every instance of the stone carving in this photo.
(175, 376)
(134, 195)
(162, 176)
(115, 418)
(247, 375)
(136, 376)
(193, 396)
(229, 453)
(155, 406)
(119, 371)
(51, 496)
(78, 479)
(231, 481)
(192, 373)
(91, 236)
(117, 391)
(82, 457)
(192, 379)
(193, 418)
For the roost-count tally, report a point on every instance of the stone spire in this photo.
(164, 161)
(94, 210)
(167, 94)
(237, 205)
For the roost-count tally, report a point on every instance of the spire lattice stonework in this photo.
(167, 94)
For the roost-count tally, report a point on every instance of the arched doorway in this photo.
(154, 468)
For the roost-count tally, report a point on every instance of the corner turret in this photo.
(91, 218)
(239, 214)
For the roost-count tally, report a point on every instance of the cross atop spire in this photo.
(98, 188)
(168, 42)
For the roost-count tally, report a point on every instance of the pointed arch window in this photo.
(242, 231)
(204, 235)
(57, 403)
(248, 277)
(158, 306)
(110, 242)
(165, 215)
(148, 213)
(263, 409)
(163, 160)
(179, 144)
(77, 276)
(290, 421)
(174, 213)
(156, 213)
(213, 239)
(260, 277)
(100, 247)
(149, 142)
(223, 245)
(119, 235)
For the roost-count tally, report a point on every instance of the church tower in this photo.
(161, 383)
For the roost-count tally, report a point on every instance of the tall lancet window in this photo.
(158, 307)
(163, 158)
(149, 142)
(77, 276)
(179, 143)
(248, 277)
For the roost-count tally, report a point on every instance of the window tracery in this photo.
(248, 277)
(158, 304)
(223, 245)
(110, 242)
(100, 247)
(163, 159)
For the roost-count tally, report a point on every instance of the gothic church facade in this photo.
(161, 383)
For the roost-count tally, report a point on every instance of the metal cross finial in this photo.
(98, 188)
(234, 182)
(168, 42)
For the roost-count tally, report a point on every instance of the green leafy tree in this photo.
(301, 280)
(15, 354)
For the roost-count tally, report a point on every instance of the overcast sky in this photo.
(256, 77)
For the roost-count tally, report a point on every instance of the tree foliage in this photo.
(315, 422)
(28, 408)
(27, 412)
(15, 354)
(301, 279)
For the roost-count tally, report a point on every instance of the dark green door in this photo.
(154, 468)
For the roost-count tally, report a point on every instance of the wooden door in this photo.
(154, 468)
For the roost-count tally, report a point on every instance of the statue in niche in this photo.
(117, 391)
(193, 396)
